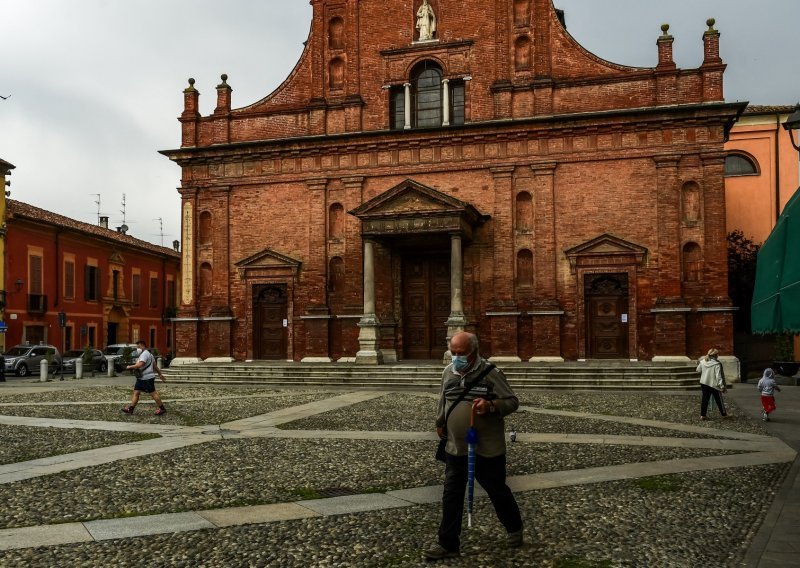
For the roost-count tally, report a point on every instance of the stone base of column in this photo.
(216, 341)
(218, 360)
(682, 359)
(369, 337)
(186, 338)
(316, 360)
(542, 359)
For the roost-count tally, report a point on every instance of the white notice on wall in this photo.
(285, 323)
(624, 318)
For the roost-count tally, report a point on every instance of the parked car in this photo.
(116, 355)
(26, 359)
(98, 363)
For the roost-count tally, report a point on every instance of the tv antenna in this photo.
(160, 229)
(97, 202)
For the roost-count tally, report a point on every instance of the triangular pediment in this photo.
(606, 246)
(116, 258)
(411, 198)
(268, 258)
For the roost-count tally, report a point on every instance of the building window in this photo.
(68, 338)
(136, 289)
(426, 90)
(153, 292)
(69, 280)
(427, 97)
(134, 334)
(740, 165)
(92, 283)
(35, 274)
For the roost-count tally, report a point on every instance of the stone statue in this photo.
(426, 21)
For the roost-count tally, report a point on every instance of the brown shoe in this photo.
(439, 552)
(514, 539)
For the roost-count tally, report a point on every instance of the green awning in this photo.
(776, 298)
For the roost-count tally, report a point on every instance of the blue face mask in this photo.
(460, 362)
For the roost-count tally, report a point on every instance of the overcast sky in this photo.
(96, 85)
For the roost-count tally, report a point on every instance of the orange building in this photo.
(112, 287)
(762, 171)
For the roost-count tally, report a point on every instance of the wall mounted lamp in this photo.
(18, 284)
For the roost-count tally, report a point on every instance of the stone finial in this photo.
(224, 78)
(710, 23)
(190, 88)
(665, 30)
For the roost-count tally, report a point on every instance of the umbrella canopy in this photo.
(776, 297)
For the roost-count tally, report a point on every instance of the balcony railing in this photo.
(37, 303)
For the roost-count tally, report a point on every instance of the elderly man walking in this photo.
(471, 381)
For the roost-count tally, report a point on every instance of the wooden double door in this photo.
(270, 324)
(426, 305)
(607, 316)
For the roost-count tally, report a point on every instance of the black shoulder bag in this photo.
(440, 451)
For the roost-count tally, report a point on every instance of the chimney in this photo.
(123, 229)
(104, 222)
(176, 244)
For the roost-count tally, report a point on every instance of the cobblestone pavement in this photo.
(262, 477)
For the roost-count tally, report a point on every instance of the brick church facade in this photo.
(437, 165)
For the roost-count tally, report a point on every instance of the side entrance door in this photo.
(607, 316)
(270, 335)
(426, 306)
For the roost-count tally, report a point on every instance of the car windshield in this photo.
(17, 351)
(74, 353)
(113, 351)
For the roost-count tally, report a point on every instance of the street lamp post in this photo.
(793, 123)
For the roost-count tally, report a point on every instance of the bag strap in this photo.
(467, 388)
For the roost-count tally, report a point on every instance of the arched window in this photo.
(691, 201)
(692, 262)
(740, 165)
(524, 211)
(206, 277)
(336, 74)
(204, 230)
(427, 97)
(522, 54)
(426, 91)
(524, 268)
(336, 275)
(336, 33)
(336, 221)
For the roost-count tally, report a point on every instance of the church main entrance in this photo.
(607, 316)
(270, 309)
(426, 305)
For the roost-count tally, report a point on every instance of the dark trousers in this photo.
(491, 474)
(708, 392)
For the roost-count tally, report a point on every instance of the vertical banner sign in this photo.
(187, 255)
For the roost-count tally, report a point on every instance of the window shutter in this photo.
(87, 282)
(36, 274)
(69, 280)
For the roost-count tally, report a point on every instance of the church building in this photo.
(431, 166)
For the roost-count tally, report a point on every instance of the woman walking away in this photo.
(712, 382)
(767, 387)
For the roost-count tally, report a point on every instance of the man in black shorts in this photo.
(145, 363)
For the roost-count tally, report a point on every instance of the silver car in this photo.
(97, 363)
(24, 359)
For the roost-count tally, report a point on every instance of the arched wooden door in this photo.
(607, 316)
(270, 324)
(426, 306)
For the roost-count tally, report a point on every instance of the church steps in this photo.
(427, 376)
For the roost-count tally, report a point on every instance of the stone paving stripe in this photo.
(256, 514)
(108, 529)
(91, 425)
(304, 410)
(419, 495)
(353, 504)
(46, 535)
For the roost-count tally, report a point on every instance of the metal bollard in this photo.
(43, 369)
(160, 362)
(78, 368)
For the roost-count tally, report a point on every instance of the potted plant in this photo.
(784, 363)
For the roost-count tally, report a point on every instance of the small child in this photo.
(767, 387)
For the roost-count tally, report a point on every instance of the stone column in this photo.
(407, 108)
(369, 337)
(457, 321)
(445, 102)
